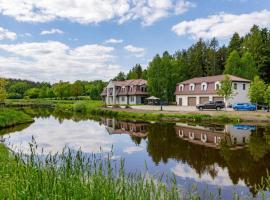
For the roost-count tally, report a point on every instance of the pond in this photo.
(232, 157)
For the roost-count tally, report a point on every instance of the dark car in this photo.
(217, 105)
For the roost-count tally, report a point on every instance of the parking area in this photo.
(169, 108)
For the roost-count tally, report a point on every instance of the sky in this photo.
(52, 40)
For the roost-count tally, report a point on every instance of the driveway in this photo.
(169, 108)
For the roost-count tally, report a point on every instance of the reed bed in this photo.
(71, 175)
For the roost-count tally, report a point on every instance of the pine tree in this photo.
(235, 43)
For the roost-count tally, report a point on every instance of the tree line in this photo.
(246, 57)
(19, 89)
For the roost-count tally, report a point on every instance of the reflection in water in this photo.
(219, 155)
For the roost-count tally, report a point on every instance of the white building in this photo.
(125, 92)
(204, 89)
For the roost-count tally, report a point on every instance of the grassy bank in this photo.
(9, 118)
(72, 176)
(96, 108)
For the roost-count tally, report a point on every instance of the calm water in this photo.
(231, 157)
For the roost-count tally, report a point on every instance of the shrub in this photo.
(80, 107)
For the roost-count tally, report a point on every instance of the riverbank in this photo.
(137, 113)
(10, 118)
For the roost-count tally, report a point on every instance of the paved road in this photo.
(169, 108)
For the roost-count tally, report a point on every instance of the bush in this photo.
(80, 107)
(14, 96)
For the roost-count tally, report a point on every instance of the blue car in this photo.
(244, 106)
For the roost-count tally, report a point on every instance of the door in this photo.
(204, 100)
(180, 101)
(191, 101)
(218, 99)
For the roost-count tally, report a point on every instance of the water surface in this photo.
(231, 157)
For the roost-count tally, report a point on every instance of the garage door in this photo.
(204, 99)
(218, 99)
(191, 101)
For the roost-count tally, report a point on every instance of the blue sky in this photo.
(52, 40)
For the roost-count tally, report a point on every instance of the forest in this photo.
(247, 56)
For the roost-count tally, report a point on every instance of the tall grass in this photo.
(70, 175)
(10, 117)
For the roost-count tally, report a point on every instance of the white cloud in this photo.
(222, 25)
(131, 150)
(137, 51)
(6, 34)
(52, 31)
(52, 61)
(113, 41)
(93, 11)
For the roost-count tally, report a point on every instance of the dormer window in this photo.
(191, 87)
(217, 85)
(204, 86)
(181, 87)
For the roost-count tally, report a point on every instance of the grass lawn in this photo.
(10, 117)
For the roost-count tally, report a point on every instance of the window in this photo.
(123, 99)
(244, 86)
(181, 87)
(191, 87)
(204, 86)
(217, 85)
(132, 98)
(235, 86)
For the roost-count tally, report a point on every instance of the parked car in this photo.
(262, 107)
(244, 106)
(218, 105)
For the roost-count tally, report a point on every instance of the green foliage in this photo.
(61, 89)
(267, 96)
(120, 77)
(235, 43)
(94, 89)
(19, 87)
(233, 64)
(80, 107)
(135, 73)
(77, 89)
(225, 89)
(248, 66)
(257, 90)
(33, 93)
(71, 175)
(9, 117)
(3, 93)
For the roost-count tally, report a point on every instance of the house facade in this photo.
(125, 92)
(204, 89)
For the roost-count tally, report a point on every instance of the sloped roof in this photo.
(130, 82)
(209, 79)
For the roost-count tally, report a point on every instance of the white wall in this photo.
(239, 95)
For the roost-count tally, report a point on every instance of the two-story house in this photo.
(125, 92)
(204, 89)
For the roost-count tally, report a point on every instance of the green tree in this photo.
(3, 93)
(233, 64)
(120, 77)
(225, 89)
(19, 88)
(235, 43)
(135, 73)
(267, 96)
(33, 93)
(257, 90)
(77, 89)
(249, 66)
(61, 89)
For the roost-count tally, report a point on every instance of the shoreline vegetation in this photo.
(11, 118)
(97, 108)
(71, 174)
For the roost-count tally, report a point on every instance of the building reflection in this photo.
(236, 136)
(137, 129)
